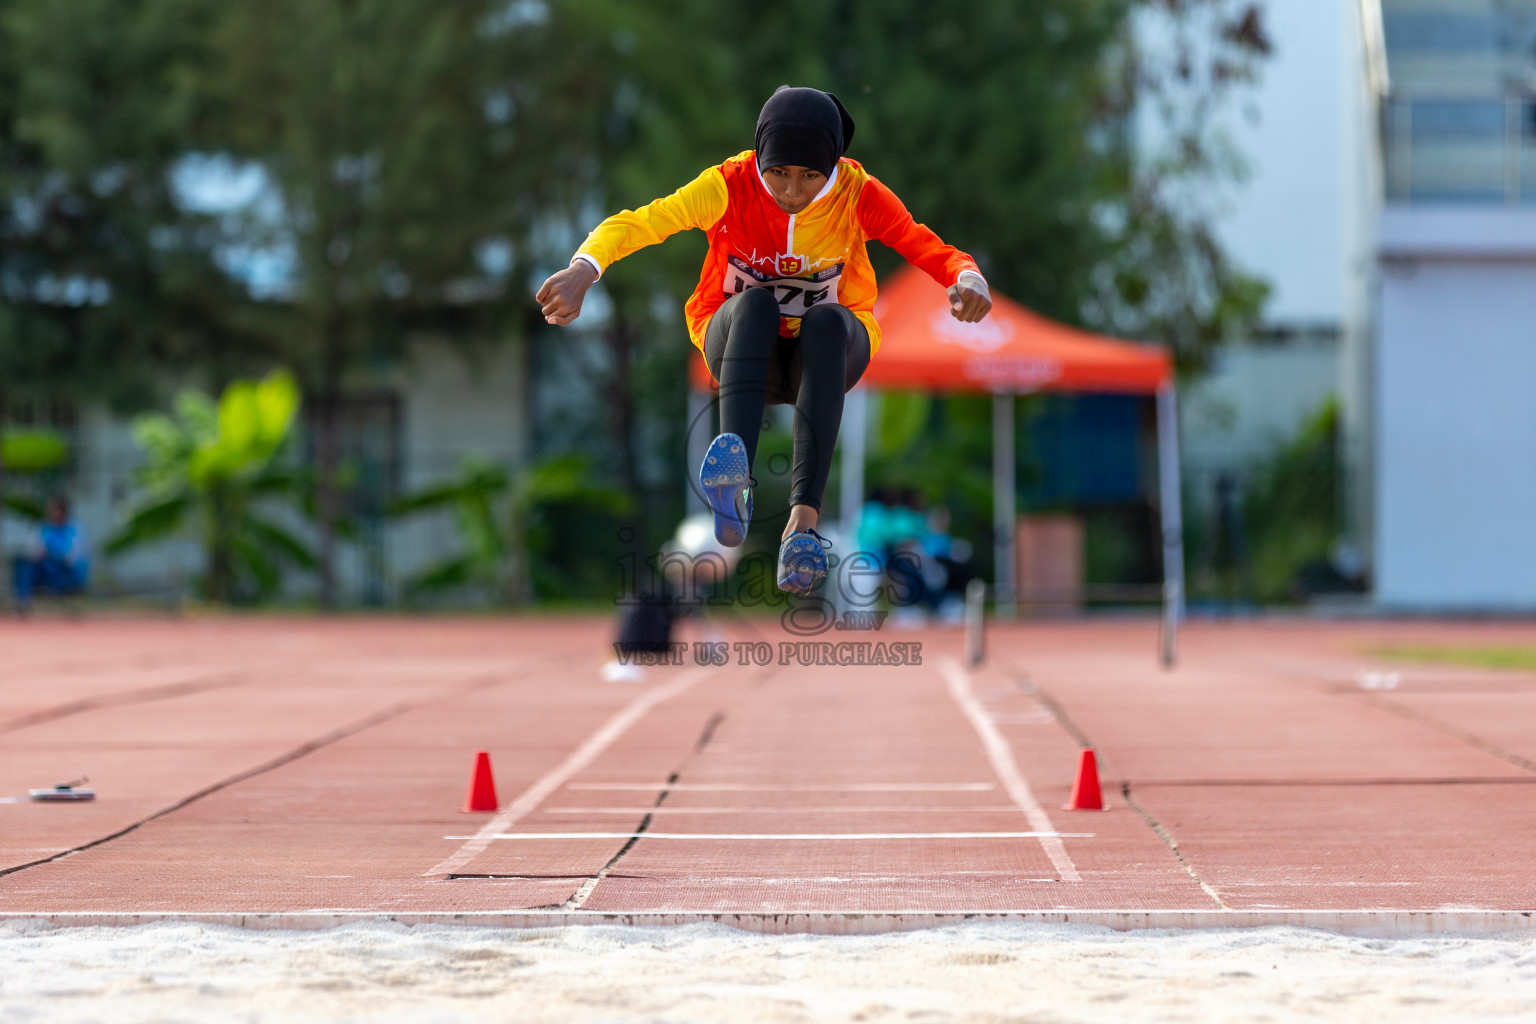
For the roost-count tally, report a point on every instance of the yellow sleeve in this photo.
(698, 204)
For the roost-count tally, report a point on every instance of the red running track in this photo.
(283, 771)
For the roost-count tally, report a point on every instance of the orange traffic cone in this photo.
(482, 787)
(1085, 788)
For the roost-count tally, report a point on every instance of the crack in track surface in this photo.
(1392, 707)
(582, 894)
(147, 695)
(1051, 704)
(1172, 844)
(302, 750)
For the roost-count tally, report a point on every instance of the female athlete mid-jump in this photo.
(783, 308)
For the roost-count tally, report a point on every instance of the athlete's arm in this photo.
(699, 204)
(886, 220)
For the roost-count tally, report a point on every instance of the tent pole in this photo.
(1004, 506)
(854, 442)
(1173, 519)
(701, 431)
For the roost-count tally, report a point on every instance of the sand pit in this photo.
(383, 972)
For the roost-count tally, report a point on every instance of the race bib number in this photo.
(795, 295)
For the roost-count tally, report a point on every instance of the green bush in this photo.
(1291, 506)
(32, 451)
(209, 469)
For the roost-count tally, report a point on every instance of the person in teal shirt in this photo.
(59, 562)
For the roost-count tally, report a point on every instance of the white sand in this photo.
(990, 973)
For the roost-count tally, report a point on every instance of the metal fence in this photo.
(1249, 538)
(1460, 150)
(373, 560)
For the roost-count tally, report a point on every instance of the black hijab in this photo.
(802, 128)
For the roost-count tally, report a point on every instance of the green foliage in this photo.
(27, 508)
(32, 451)
(108, 279)
(947, 458)
(1006, 126)
(397, 135)
(1278, 523)
(903, 415)
(495, 511)
(1515, 659)
(411, 148)
(1292, 505)
(211, 469)
(420, 162)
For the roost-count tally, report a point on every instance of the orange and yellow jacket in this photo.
(814, 256)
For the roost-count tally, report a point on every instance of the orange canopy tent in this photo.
(1013, 351)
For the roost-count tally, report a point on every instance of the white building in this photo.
(1304, 220)
(1456, 359)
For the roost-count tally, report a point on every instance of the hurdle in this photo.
(1169, 618)
(975, 622)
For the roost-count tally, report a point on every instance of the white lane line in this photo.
(787, 835)
(579, 759)
(788, 787)
(1001, 756)
(863, 809)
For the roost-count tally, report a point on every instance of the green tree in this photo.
(104, 278)
(494, 511)
(410, 146)
(1006, 126)
(211, 469)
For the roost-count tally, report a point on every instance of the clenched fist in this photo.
(562, 295)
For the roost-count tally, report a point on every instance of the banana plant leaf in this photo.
(453, 572)
(154, 521)
(254, 562)
(279, 540)
(27, 508)
(216, 462)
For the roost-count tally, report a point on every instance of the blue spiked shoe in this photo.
(727, 483)
(802, 561)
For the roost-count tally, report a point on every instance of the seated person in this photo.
(691, 566)
(57, 562)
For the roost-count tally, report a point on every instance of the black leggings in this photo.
(757, 367)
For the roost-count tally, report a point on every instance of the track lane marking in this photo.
(816, 787)
(578, 760)
(862, 809)
(1001, 757)
(784, 835)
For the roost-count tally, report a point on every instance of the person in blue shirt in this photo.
(58, 562)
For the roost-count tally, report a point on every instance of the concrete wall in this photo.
(1456, 378)
(455, 404)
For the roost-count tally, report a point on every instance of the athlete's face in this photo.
(793, 188)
